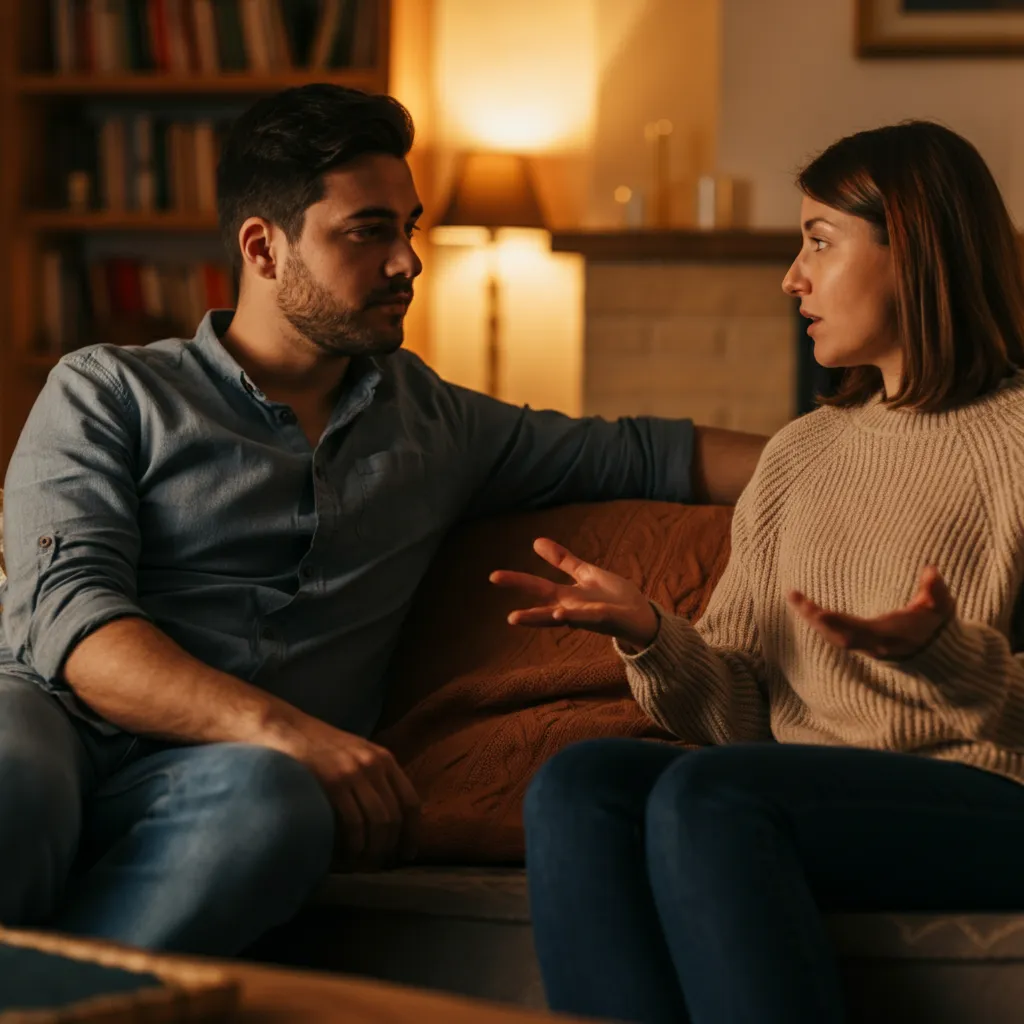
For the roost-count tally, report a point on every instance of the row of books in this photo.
(210, 36)
(125, 300)
(138, 162)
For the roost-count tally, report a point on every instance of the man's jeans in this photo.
(193, 849)
(679, 886)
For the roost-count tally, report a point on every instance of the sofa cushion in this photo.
(476, 705)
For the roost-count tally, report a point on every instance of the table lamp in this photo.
(492, 191)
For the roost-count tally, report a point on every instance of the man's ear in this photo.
(263, 247)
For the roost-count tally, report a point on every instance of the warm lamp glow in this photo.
(519, 76)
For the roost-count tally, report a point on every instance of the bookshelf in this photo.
(34, 97)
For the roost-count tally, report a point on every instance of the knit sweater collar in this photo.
(880, 418)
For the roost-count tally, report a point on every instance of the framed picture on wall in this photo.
(940, 28)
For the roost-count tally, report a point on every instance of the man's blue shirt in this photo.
(158, 482)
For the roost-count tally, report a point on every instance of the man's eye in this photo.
(368, 233)
(412, 229)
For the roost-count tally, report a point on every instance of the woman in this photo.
(855, 673)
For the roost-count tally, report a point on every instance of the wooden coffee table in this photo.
(273, 995)
(277, 995)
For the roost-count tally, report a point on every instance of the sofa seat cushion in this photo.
(476, 705)
(500, 894)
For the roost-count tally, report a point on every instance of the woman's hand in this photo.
(598, 600)
(896, 635)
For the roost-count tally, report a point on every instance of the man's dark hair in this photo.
(276, 154)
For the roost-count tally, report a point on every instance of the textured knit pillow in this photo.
(476, 706)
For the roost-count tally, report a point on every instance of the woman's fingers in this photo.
(535, 585)
(589, 615)
(561, 558)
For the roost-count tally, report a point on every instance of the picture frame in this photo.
(940, 28)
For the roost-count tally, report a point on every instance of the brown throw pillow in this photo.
(477, 705)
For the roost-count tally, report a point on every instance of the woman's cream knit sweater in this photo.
(848, 506)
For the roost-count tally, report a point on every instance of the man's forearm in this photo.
(723, 463)
(137, 677)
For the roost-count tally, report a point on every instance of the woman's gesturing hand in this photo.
(597, 600)
(895, 635)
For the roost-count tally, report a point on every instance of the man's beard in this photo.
(325, 323)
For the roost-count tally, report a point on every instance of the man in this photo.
(211, 545)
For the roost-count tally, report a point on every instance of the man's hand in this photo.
(894, 636)
(377, 806)
(598, 600)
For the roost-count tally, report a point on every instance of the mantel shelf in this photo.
(680, 244)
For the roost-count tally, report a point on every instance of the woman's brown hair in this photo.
(959, 281)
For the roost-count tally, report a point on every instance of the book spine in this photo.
(206, 167)
(53, 322)
(341, 50)
(156, 16)
(252, 34)
(84, 38)
(323, 40)
(364, 35)
(152, 292)
(285, 59)
(232, 52)
(144, 158)
(206, 36)
(177, 49)
(63, 37)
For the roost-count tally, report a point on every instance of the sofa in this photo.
(476, 706)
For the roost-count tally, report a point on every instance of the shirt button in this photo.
(45, 542)
(307, 572)
(287, 416)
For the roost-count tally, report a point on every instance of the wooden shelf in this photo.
(680, 244)
(237, 83)
(64, 221)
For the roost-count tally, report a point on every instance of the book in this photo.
(63, 34)
(327, 28)
(230, 42)
(206, 36)
(364, 36)
(341, 48)
(158, 33)
(256, 43)
(205, 167)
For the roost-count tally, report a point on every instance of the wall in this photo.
(791, 84)
(655, 59)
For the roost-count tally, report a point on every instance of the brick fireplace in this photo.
(692, 324)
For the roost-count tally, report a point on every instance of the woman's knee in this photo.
(601, 771)
(699, 789)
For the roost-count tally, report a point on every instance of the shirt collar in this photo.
(364, 372)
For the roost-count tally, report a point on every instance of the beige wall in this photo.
(655, 59)
(791, 84)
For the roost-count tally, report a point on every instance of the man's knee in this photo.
(274, 824)
(40, 801)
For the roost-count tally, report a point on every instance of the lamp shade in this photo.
(493, 190)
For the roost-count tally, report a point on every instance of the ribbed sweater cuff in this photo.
(952, 654)
(662, 659)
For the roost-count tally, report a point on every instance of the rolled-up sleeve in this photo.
(71, 529)
(524, 458)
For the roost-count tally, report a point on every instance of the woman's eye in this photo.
(819, 244)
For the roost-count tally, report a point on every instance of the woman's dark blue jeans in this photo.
(673, 885)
